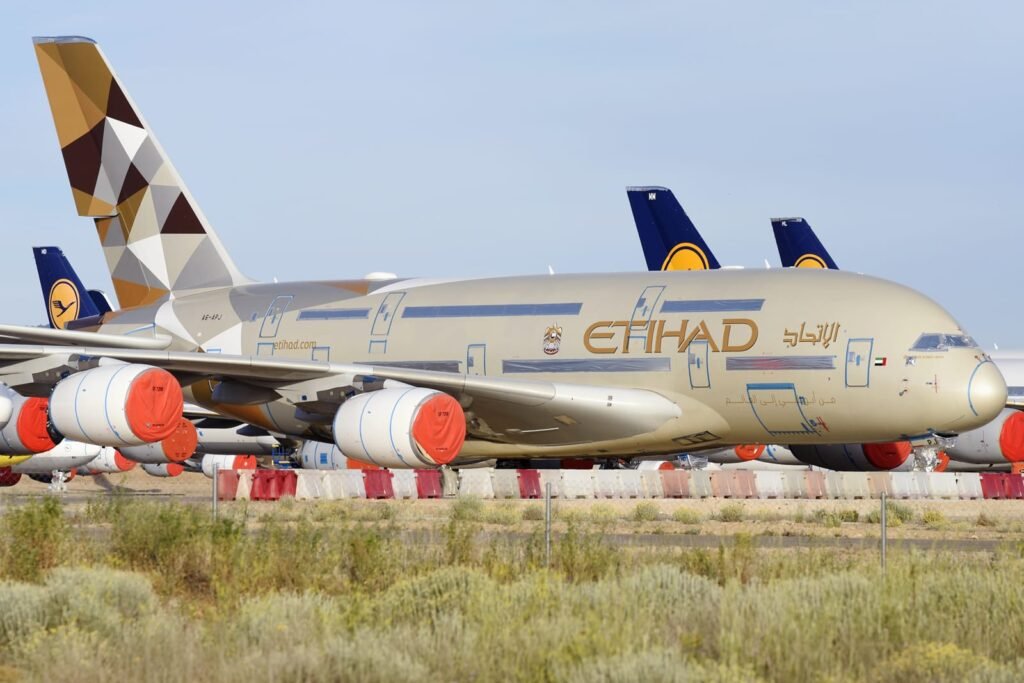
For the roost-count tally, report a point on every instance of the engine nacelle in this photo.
(178, 447)
(8, 478)
(401, 428)
(117, 405)
(6, 406)
(109, 461)
(227, 462)
(235, 440)
(66, 456)
(317, 455)
(998, 442)
(25, 432)
(852, 457)
(170, 469)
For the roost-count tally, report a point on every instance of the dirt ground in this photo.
(991, 520)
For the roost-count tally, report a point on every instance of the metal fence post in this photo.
(885, 529)
(216, 484)
(547, 524)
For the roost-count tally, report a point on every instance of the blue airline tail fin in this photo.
(669, 238)
(64, 295)
(798, 246)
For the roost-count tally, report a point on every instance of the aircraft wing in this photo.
(45, 335)
(498, 408)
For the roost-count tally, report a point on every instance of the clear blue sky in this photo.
(326, 140)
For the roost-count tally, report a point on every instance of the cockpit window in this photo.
(940, 342)
(959, 341)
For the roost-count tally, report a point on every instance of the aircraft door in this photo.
(858, 362)
(476, 359)
(697, 358)
(641, 317)
(272, 319)
(382, 322)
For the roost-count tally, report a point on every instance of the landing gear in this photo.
(58, 482)
(931, 456)
(449, 482)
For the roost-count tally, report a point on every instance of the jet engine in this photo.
(868, 457)
(117, 405)
(170, 469)
(66, 456)
(227, 462)
(25, 431)
(998, 442)
(6, 406)
(401, 427)
(109, 461)
(317, 455)
(178, 446)
(232, 438)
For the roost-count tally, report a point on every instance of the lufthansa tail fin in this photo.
(798, 246)
(64, 295)
(155, 238)
(669, 238)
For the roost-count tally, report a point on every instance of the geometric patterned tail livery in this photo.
(154, 237)
(798, 246)
(669, 238)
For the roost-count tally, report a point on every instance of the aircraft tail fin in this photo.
(669, 238)
(64, 295)
(798, 246)
(154, 236)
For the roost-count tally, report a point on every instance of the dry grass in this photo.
(158, 592)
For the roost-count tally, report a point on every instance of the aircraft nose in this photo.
(986, 391)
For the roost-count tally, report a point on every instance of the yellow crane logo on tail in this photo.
(686, 256)
(810, 261)
(63, 303)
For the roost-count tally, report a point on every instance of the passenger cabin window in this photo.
(940, 342)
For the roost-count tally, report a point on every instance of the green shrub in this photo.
(374, 512)
(467, 509)
(655, 666)
(933, 518)
(938, 663)
(645, 512)
(896, 514)
(533, 513)
(504, 514)
(835, 518)
(731, 512)
(849, 515)
(35, 538)
(986, 521)
(582, 556)
(602, 514)
(459, 535)
(686, 516)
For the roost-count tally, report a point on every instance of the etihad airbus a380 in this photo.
(420, 373)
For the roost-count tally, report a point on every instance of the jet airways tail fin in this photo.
(798, 246)
(669, 238)
(155, 238)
